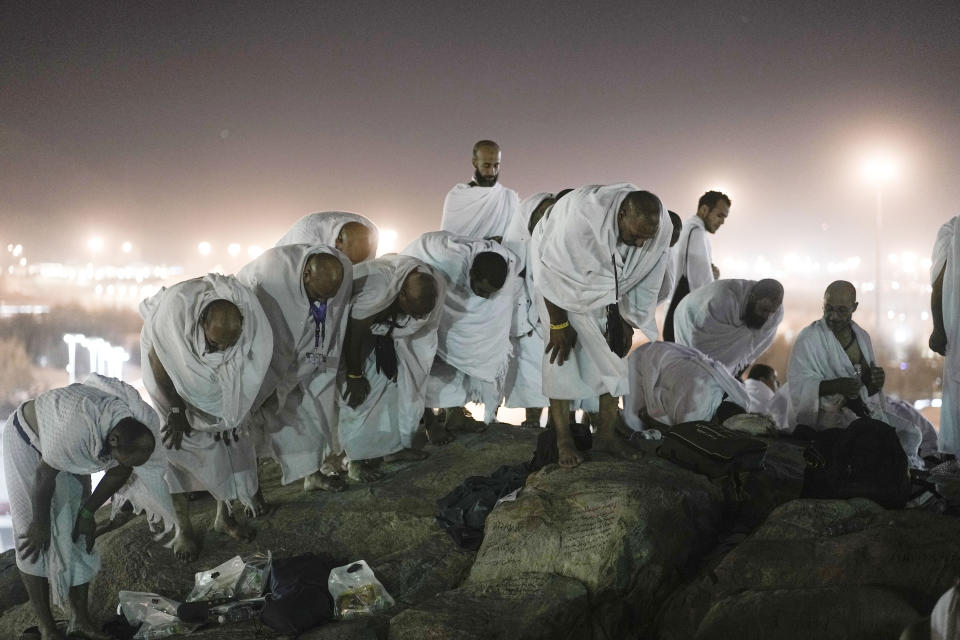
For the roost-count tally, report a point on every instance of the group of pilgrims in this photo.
(330, 360)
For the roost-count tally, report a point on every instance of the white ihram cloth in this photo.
(573, 253)
(945, 618)
(323, 227)
(710, 319)
(523, 386)
(473, 338)
(677, 384)
(946, 258)
(73, 423)
(219, 389)
(817, 355)
(692, 255)
(764, 400)
(479, 212)
(385, 421)
(928, 445)
(299, 424)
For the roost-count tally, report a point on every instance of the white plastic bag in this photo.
(156, 615)
(238, 577)
(356, 591)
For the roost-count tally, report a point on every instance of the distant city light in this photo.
(901, 335)
(253, 251)
(234, 249)
(388, 241)
(23, 262)
(879, 169)
(17, 250)
(126, 247)
(204, 248)
(95, 244)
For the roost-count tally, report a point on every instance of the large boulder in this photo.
(623, 532)
(854, 569)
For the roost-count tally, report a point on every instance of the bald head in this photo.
(322, 276)
(222, 324)
(130, 442)
(419, 294)
(763, 302)
(486, 163)
(638, 219)
(354, 241)
(839, 303)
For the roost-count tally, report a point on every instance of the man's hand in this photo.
(874, 378)
(356, 391)
(716, 271)
(173, 432)
(85, 525)
(225, 437)
(560, 343)
(35, 541)
(938, 341)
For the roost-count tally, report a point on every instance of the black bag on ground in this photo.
(712, 450)
(463, 512)
(299, 599)
(547, 453)
(865, 460)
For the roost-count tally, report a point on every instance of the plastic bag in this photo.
(235, 578)
(356, 591)
(156, 615)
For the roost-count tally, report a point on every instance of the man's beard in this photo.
(484, 182)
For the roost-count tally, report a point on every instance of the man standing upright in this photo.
(945, 339)
(598, 263)
(481, 208)
(692, 257)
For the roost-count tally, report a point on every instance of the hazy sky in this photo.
(174, 122)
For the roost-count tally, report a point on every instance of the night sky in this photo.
(170, 123)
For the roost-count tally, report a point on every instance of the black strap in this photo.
(23, 434)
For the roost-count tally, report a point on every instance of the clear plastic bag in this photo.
(356, 591)
(156, 615)
(236, 578)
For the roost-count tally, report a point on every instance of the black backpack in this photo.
(865, 460)
(299, 599)
(712, 450)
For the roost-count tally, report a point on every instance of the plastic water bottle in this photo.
(239, 612)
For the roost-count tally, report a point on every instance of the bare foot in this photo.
(186, 548)
(317, 481)
(615, 446)
(569, 456)
(361, 471)
(228, 524)
(437, 433)
(260, 506)
(407, 455)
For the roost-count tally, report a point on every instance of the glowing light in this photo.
(891, 315)
(879, 169)
(126, 247)
(903, 366)
(901, 335)
(388, 241)
(17, 250)
(23, 262)
(234, 249)
(924, 315)
(936, 402)
(894, 285)
(10, 248)
(204, 248)
(253, 251)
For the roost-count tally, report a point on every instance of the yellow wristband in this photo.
(354, 376)
(562, 325)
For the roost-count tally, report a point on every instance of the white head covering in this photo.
(323, 227)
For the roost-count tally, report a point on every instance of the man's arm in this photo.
(111, 482)
(358, 334)
(177, 426)
(562, 338)
(37, 537)
(938, 339)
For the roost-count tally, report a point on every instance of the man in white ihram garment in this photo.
(350, 233)
(473, 337)
(692, 258)
(523, 387)
(391, 343)
(945, 338)
(51, 445)
(833, 375)
(671, 384)
(598, 264)
(481, 208)
(206, 345)
(305, 293)
(733, 321)
(768, 396)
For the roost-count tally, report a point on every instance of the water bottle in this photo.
(239, 612)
